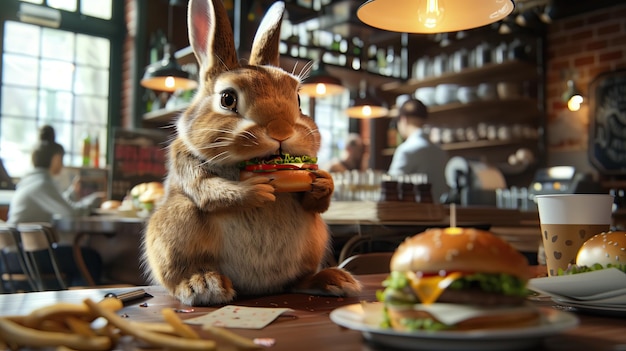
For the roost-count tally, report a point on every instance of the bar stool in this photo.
(10, 244)
(38, 237)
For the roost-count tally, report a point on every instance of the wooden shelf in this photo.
(465, 145)
(163, 116)
(480, 105)
(513, 70)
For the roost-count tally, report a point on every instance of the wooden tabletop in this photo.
(309, 326)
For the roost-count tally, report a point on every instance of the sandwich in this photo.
(146, 195)
(604, 250)
(456, 279)
(286, 173)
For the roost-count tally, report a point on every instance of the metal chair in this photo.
(10, 244)
(38, 237)
(367, 263)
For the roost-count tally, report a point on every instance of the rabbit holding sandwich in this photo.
(214, 236)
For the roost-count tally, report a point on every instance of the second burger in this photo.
(456, 279)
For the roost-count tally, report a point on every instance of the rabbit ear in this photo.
(267, 38)
(211, 36)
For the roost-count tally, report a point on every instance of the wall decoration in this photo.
(607, 127)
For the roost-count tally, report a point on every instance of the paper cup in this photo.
(567, 221)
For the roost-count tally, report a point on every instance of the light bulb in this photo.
(366, 110)
(320, 89)
(573, 104)
(431, 13)
(170, 82)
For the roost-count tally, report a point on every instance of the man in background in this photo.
(417, 154)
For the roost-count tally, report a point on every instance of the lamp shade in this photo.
(321, 83)
(432, 16)
(366, 105)
(167, 75)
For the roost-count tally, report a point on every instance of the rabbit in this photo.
(213, 237)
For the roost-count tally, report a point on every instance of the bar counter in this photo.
(309, 326)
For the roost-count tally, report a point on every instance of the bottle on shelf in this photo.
(95, 152)
(86, 150)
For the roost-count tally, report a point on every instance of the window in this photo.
(332, 123)
(57, 76)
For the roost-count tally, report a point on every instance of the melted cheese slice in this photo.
(430, 288)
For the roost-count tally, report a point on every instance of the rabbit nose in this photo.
(279, 130)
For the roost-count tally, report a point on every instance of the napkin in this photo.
(588, 286)
(239, 317)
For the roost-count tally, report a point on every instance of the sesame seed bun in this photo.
(603, 248)
(459, 249)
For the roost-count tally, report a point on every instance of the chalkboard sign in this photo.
(138, 156)
(607, 134)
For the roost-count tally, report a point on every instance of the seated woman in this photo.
(37, 199)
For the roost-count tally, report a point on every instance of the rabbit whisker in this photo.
(215, 145)
(249, 135)
(306, 70)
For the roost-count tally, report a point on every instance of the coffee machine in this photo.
(473, 182)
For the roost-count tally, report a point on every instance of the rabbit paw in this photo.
(260, 191)
(330, 281)
(205, 289)
(318, 199)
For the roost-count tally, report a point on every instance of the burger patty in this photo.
(479, 297)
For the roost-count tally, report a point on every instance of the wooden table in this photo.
(309, 327)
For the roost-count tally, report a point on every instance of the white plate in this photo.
(553, 321)
(583, 306)
(593, 285)
(613, 301)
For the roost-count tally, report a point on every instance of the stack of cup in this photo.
(567, 221)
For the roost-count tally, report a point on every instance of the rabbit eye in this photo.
(229, 100)
(298, 99)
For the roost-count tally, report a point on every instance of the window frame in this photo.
(113, 30)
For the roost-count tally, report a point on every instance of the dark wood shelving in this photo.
(163, 116)
(513, 70)
(479, 144)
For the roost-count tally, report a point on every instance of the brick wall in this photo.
(585, 45)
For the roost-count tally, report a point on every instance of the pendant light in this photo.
(366, 105)
(167, 75)
(321, 83)
(432, 16)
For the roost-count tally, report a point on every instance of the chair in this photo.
(10, 244)
(37, 237)
(368, 263)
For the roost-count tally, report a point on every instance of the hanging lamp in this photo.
(321, 83)
(366, 105)
(432, 16)
(167, 75)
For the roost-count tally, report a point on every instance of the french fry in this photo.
(79, 327)
(61, 310)
(155, 327)
(166, 341)
(25, 336)
(69, 327)
(180, 328)
(239, 341)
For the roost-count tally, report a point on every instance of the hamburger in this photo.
(604, 250)
(456, 279)
(286, 173)
(110, 205)
(146, 195)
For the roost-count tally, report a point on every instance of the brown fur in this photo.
(214, 237)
